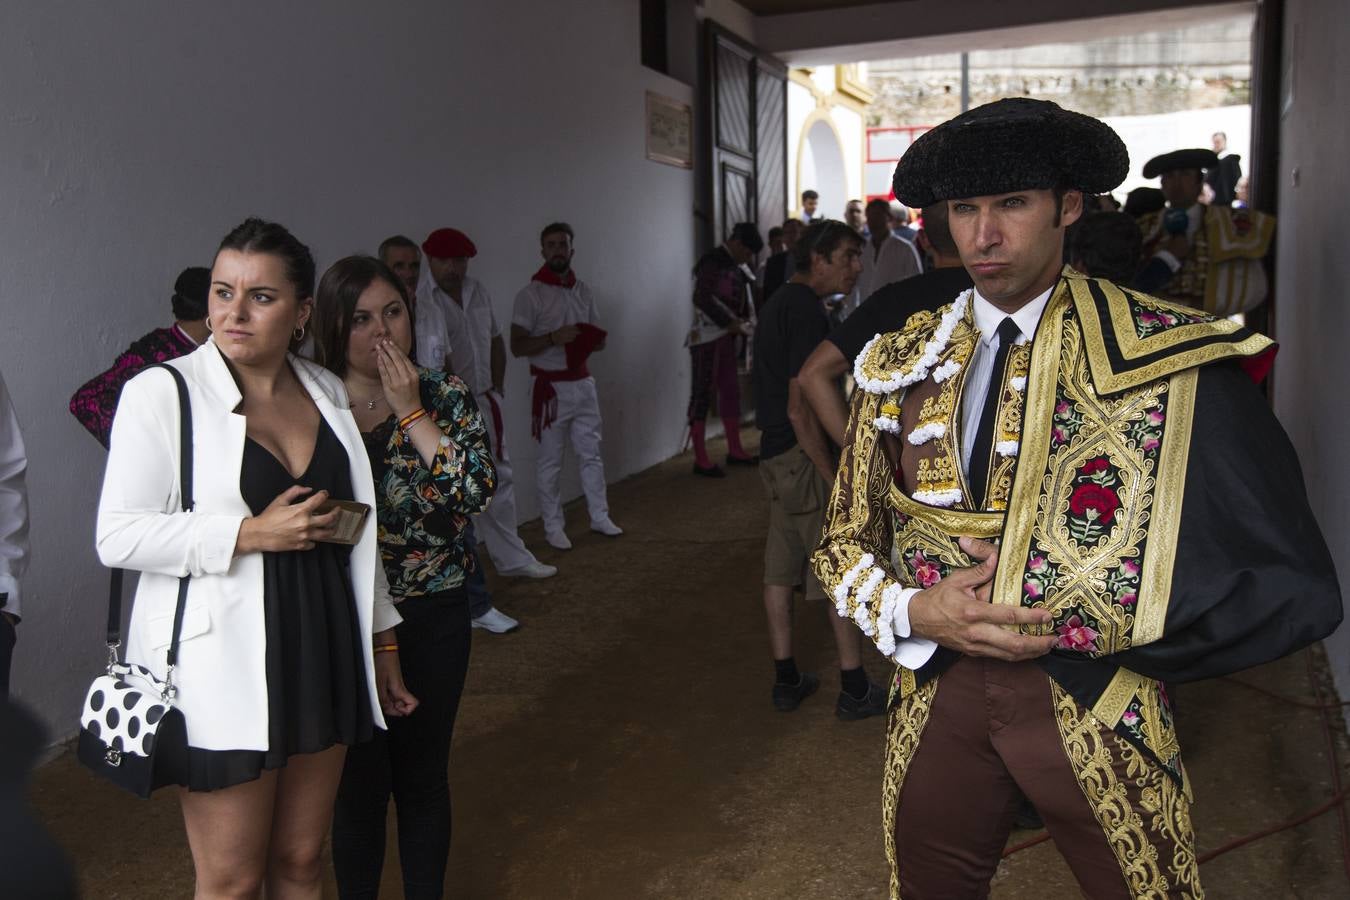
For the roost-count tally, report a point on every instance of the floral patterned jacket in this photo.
(96, 400)
(423, 510)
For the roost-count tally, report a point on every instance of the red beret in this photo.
(448, 243)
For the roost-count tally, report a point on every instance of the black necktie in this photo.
(1008, 333)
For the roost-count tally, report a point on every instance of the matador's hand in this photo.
(956, 613)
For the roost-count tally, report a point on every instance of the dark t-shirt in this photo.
(790, 326)
(776, 273)
(889, 307)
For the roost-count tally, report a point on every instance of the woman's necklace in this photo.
(370, 404)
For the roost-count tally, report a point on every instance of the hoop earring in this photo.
(208, 324)
(300, 336)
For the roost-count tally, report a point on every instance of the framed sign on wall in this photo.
(670, 131)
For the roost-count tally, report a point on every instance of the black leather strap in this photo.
(186, 498)
(115, 608)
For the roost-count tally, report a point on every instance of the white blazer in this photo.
(221, 674)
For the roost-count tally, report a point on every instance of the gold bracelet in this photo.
(386, 648)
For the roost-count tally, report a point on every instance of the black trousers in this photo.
(410, 761)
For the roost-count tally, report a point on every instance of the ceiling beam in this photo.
(926, 27)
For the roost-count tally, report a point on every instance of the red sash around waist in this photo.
(544, 399)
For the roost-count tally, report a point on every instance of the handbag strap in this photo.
(186, 497)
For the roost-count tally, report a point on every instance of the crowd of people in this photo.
(1030, 529)
(346, 436)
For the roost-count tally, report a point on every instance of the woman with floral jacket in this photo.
(432, 468)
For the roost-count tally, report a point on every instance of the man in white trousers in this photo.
(478, 356)
(554, 325)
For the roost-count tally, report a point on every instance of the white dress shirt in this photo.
(13, 504)
(543, 308)
(468, 332)
(895, 260)
(913, 652)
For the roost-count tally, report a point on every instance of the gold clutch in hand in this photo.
(351, 517)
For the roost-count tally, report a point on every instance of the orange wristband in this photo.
(411, 419)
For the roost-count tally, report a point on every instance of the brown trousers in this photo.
(963, 748)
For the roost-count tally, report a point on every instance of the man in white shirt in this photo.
(554, 324)
(13, 530)
(810, 203)
(886, 258)
(854, 218)
(478, 356)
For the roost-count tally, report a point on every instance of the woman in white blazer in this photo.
(277, 670)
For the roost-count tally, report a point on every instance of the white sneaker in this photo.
(532, 569)
(495, 621)
(557, 540)
(607, 528)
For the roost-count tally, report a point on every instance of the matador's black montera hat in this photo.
(1197, 158)
(1017, 144)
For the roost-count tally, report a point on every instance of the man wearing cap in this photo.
(1215, 252)
(724, 311)
(478, 356)
(1040, 458)
(554, 324)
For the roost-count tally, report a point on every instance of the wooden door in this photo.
(745, 149)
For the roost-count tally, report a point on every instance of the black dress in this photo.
(316, 672)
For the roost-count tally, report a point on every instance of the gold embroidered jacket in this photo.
(1223, 273)
(1140, 489)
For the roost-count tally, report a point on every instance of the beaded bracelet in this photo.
(411, 419)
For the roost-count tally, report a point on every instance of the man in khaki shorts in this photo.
(797, 462)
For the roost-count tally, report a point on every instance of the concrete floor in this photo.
(622, 744)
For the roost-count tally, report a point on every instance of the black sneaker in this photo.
(713, 471)
(787, 697)
(850, 709)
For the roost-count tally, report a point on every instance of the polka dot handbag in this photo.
(128, 711)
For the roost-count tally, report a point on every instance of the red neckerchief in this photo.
(548, 276)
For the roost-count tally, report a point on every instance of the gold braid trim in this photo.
(907, 721)
(1169, 810)
(858, 522)
(1133, 841)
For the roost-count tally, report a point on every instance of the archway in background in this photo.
(820, 165)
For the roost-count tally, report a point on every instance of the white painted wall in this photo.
(1312, 318)
(135, 135)
(800, 104)
(853, 131)
(1149, 136)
